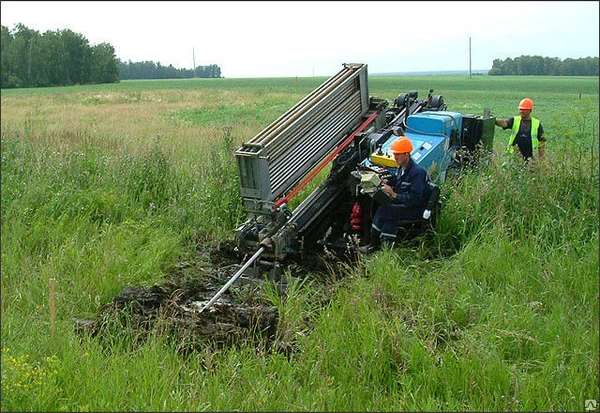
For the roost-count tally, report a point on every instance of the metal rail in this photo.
(235, 277)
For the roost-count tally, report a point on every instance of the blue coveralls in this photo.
(412, 193)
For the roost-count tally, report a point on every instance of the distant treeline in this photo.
(65, 58)
(151, 70)
(545, 66)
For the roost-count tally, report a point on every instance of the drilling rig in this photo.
(341, 127)
(343, 132)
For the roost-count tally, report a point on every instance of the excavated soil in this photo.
(242, 314)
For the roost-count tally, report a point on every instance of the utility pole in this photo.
(469, 57)
(194, 60)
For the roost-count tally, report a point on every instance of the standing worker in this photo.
(409, 197)
(527, 132)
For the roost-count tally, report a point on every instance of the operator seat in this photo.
(410, 228)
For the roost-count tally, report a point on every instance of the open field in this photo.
(108, 186)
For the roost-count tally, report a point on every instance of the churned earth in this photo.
(243, 313)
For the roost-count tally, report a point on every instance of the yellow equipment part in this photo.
(384, 160)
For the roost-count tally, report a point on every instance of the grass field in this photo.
(107, 186)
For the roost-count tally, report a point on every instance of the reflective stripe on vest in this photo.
(535, 143)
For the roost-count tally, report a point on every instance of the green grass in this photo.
(109, 186)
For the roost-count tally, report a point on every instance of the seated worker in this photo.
(409, 197)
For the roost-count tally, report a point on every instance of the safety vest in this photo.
(535, 143)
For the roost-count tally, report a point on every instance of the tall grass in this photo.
(111, 186)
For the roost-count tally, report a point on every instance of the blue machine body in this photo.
(430, 134)
(440, 123)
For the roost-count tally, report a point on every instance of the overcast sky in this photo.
(286, 38)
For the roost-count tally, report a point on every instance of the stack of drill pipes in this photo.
(300, 164)
(320, 109)
(319, 139)
(307, 157)
(279, 150)
(258, 142)
(331, 103)
(348, 140)
(297, 166)
(332, 120)
(273, 130)
(314, 137)
(316, 142)
(256, 147)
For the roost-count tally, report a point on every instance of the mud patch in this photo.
(243, 313)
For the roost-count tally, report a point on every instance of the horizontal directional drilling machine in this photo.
(341, 127)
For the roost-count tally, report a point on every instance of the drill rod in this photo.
(235, 277)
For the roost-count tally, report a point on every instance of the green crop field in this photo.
(108, 186)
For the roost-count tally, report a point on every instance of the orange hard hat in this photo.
(401, 145)
(526, 104)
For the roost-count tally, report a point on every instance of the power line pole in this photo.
(469, 57)
(194, 59)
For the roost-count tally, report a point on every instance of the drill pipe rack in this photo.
(279, 156)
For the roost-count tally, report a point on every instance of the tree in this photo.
(50, 53)
(545, 66)
(75, 58)
(151, 70)
(8, 77)
(104, 65)
(63, 58)
(56, 58)
(20, 55)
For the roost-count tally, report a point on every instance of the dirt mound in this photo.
(242, 314)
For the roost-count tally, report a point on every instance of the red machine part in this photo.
(356, 217)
